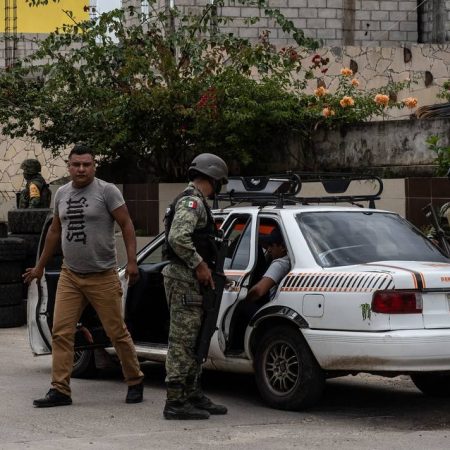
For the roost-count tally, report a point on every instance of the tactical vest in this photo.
(204, 239)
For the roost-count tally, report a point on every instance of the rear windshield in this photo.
(344, 238)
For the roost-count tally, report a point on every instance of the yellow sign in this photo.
(44, 19)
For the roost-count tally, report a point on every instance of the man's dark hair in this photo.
(81, 149)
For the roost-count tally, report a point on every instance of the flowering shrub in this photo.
(151, 96)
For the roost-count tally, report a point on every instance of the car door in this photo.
(239, 230)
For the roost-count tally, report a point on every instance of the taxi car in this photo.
(366, 292)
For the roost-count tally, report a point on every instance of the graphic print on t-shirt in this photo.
(75, 214)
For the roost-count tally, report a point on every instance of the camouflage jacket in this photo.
(190, 214)
(31, 196)
(444, 219)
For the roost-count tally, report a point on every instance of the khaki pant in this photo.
(104, 292)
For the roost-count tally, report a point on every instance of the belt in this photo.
(90, 274)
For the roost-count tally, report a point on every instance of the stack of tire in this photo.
(18, 251)
(12, 257)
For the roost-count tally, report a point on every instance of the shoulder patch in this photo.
(34, 191)
(192, 204)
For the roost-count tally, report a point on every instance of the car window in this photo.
(344, 238)
(239, 237)
(155, 256)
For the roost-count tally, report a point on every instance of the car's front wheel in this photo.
(433, 384)
(287, 374)
(84, 364)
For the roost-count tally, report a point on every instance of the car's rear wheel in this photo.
(287, 374)
(433, 384)
(84, 364)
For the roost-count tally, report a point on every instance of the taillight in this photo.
(397, 302)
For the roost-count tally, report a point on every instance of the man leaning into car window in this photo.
(85, 211)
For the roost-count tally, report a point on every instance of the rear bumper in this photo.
(397, 351)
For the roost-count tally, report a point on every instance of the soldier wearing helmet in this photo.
(36, 193)
(190, 246)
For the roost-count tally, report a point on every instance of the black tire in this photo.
(287, 374)
(27, 221)
(12, 316)
(3, 229)
(10, 272)
(84, 364)
(31, 243)
(11, 294)
(12, 249)
(433, 384)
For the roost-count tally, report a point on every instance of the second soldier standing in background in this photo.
(36, 193)
(190, 247)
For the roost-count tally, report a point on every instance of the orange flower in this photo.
(346, 72)
(382, 99)
(410, 102)
(327, 112)
(347, 101)
(355, 82)
(320, 91)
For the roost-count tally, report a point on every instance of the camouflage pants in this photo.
(183, 371)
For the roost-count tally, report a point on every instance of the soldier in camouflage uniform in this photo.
(36, 193)
(190, 231)
(444, 219)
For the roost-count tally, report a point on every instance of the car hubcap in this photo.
(281, 368)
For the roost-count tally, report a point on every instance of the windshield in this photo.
(345, 238)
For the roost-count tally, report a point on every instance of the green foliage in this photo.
(151, 96)
(442, 155)
(444, 91)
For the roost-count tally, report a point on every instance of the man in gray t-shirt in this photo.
(278, 269)
(264, 290)
(85, 211)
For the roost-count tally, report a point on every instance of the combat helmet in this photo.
(31, 166)
(210, 165)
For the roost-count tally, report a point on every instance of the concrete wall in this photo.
(393, 147)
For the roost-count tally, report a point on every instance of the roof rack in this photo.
(284, 189)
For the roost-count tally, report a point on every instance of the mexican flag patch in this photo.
(191, 204)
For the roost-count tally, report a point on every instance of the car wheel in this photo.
(433, 384)
(287, 374)
(84, 364)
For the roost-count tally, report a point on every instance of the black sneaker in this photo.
(183, 411)
(135, 393)
(52, 398)
(206, 404)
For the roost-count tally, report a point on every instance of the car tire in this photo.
(433, 384)
(12, 316)
(10, 272)
(12, 249)
(287, 374)
(27, 221)
(31, 242)
(11, 294)
(84, 364)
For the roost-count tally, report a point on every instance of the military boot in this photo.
(204, 403)
(176, 410)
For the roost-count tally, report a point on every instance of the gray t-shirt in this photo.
(87, 237)
(278, 269)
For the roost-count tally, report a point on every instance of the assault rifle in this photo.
(211, 304)
(430, 214)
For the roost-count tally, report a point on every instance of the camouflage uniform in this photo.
(444, 219)
(36, 193)
(183, 371)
